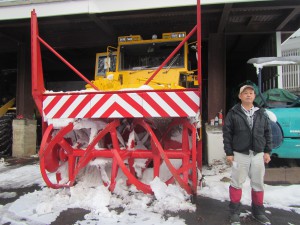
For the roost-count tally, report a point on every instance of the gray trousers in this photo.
(250, 165)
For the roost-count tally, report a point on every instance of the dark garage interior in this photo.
(245, 30)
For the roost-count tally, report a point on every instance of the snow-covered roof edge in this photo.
(274, 61)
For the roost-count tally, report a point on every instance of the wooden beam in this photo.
(224, 17)
(9, 37)
(102, 25)
(251, 19)
(291, 15)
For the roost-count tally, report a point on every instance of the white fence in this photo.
(291, 73)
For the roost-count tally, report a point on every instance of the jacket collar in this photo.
(238, 108)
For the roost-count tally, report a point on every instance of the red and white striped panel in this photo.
(120, 105)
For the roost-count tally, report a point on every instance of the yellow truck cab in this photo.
(131, 64)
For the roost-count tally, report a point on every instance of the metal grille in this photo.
(291, 73)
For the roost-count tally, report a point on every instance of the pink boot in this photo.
(234, 205)
(258, 210)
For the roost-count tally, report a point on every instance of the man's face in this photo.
(247, 96)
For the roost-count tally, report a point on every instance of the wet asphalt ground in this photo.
(208, 211)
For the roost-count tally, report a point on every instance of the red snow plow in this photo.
(119, 127)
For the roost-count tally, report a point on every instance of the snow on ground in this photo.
(44, 206)
(216, 183)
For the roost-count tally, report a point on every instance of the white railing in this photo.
(291, 73)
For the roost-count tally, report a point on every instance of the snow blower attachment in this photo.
(132, 131)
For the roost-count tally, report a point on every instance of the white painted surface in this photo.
(215, 147)
(44, 9)
(279, 68)
(56, 8)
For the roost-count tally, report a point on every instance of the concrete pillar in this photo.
(24, 137)
(216, 74)
(24, 128)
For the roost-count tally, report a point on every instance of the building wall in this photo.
(291, 73)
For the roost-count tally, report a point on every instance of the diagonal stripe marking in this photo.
(58, 105)
(162, 103)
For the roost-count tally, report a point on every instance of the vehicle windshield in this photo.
(150, 56)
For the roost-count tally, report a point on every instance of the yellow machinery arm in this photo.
(6, 107)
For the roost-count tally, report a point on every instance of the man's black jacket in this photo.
(238, 136)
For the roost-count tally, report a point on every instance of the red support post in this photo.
(36, 65)
(199, 64)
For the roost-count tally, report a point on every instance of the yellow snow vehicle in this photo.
(135, 60)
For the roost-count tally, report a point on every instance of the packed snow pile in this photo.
(2, 164)
(45, 205)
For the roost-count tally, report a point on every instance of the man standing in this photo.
(247, 141)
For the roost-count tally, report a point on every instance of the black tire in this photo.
(6, 134)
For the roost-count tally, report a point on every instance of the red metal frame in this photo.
(56, 149)
(199, 22)
(38, 87)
